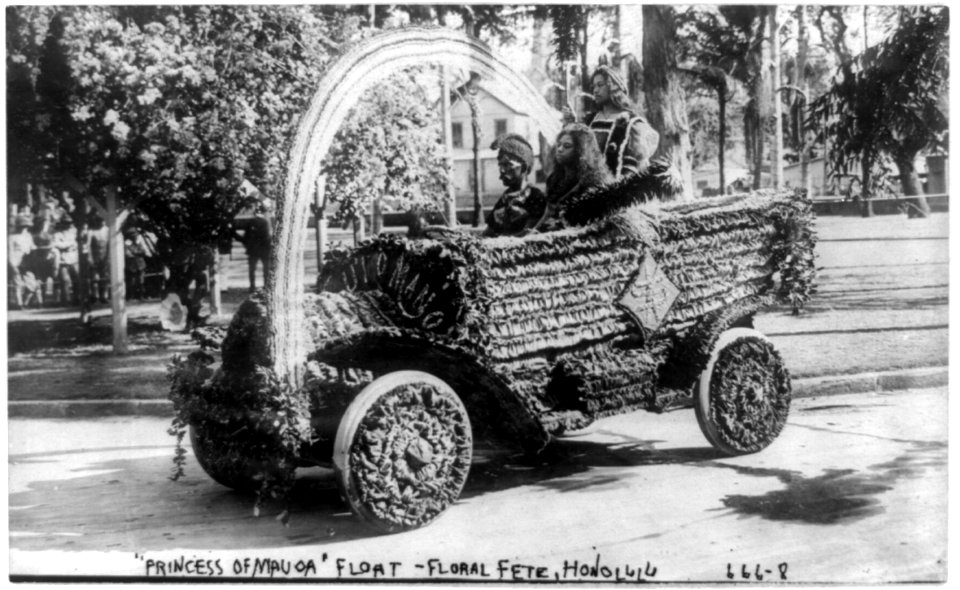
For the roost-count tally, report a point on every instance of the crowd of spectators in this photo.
(43, 259)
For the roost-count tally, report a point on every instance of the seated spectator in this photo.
(521, 205)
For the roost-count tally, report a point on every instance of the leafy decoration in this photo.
(254, 424)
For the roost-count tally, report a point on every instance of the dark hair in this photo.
(516, 147)
(590, 169)
(618, 96)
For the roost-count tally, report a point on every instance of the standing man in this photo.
(257, 240)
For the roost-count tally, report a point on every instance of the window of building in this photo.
(457, 132)
(499, 127)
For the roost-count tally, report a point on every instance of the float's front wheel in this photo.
(222, 460)
(403, 450)
(743, 396)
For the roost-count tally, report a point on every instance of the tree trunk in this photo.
(451, 202)
(910, 183)
(475, 126)
(319, 217)
(666, 102)
(582, 36)
(866, 198)
(216, 301)
(722, 140)
(118, 305)
(376, 216)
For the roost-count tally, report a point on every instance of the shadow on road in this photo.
(35, 334)
(131, 505)
(566, 465)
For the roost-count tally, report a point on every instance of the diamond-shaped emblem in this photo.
(649, 296)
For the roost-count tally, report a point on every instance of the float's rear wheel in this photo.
(743, 396)
(403, 450)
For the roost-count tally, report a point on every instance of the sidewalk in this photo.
(878, 323)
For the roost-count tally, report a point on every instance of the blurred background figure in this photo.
(257, 240)
(96, 240)
(19, 244)
(40, 265)
(135, 264)
(67, 284)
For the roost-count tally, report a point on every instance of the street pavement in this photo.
(854, 491)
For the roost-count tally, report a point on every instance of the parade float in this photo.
(404, 353)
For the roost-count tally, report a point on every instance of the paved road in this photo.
(881, 302)
(854, 491)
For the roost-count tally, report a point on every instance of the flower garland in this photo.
(249, 427)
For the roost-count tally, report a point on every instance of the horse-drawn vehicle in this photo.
(415, 348)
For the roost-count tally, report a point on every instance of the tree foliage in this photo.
(729, 38)
(390, 146)
(175, 105)
(25, 27)
(889, 101)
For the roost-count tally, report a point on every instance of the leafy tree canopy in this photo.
(176, 105)
(389, 146)
(890, 99)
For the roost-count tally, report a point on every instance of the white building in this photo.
(496, 118)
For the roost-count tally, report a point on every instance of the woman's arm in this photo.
(553, 207)
(642, 141)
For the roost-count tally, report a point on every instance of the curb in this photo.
(872, 382)
(92, 408)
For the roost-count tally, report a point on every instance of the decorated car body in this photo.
(407, 351)
(418, 347)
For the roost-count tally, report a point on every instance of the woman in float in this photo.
(626, 139)
(579, 166)
(522, 205)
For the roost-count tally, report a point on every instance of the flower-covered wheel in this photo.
(222, 460)
(743, 396)
(403, 450)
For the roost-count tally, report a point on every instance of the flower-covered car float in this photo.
(416, 347)
(408, 351)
